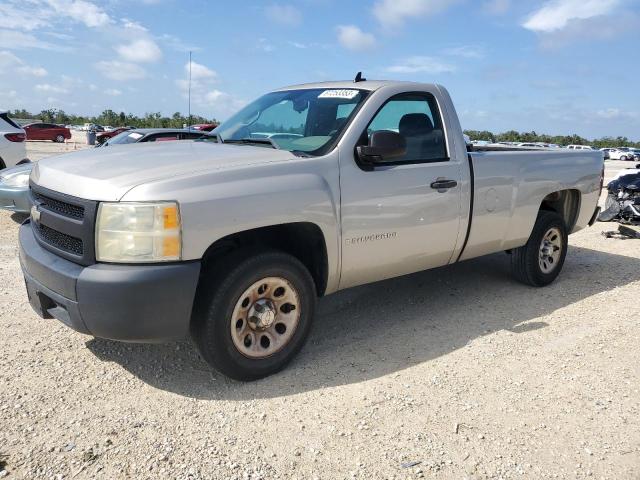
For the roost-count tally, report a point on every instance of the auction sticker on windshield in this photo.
(347, 94)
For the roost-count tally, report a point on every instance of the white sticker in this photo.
(347, 94)
(135, 135)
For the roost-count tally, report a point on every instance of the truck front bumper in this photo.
(134, 303)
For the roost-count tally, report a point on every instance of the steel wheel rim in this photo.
(550, 250)
(265, 317)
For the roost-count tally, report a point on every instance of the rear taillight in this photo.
(15, 137)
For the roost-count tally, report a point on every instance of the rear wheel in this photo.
(254, 314)
(623, 158)
(540, 261)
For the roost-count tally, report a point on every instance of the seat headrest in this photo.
(413, 124)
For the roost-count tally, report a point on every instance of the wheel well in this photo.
(303, 240)
(565, 203)
(2, 165)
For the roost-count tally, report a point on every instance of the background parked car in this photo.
(580, 147)
(104, 136)
(204, 127)
(138, 135)
(12, 147)
(14, 188)
(621, 153)
(636, 154)
(47, 131)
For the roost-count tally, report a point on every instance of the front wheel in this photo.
(623, 158)
(254, 314)
(540, 261)
(59, 139)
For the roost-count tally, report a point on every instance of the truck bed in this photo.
(510, 184)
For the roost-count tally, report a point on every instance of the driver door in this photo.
(394, 219)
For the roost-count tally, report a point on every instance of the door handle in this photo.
(443, 184)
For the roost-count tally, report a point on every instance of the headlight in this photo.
(128, 232)
(19, 179)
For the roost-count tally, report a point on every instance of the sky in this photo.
(553, 66)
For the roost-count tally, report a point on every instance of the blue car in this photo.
(14, 188)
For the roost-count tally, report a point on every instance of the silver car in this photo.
(143, 135)
(14, 188)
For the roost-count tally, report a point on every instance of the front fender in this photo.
(214, 206)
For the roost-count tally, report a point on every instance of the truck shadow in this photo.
(19, 218)
(378, 329)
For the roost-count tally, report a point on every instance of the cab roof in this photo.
(369, 85)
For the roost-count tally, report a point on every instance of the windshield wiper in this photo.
(249, 141)
(300, 153)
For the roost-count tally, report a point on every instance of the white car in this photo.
(580, 147)
(12, 142)
(622, 153)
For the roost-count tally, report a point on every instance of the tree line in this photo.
(114, 119)
(177, 120)
(521, 137)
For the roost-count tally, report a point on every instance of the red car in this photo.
(104, 136)
(47, 131)
(205, 127)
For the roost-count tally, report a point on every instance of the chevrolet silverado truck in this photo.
(308, 190)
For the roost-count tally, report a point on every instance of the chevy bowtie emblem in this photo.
(35, 214)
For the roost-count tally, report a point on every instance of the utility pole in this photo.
(189, 89)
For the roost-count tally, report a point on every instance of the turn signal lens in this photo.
(170, 216)
(170, 247)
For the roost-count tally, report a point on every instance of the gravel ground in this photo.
(454, 373)
(42, 149)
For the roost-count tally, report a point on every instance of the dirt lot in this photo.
(42, 149)
(449, 374)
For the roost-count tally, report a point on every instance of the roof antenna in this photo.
(189, 90)
(359, 78)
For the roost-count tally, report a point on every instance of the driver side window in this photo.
(416, 118)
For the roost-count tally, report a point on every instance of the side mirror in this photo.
(384, 145)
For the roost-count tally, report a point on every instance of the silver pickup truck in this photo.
(306, 191)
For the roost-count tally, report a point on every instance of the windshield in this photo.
(124, 137)
(308, 121)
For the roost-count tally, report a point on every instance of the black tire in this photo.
(59, 139)
(525, 261)
(217, 296)
(623, 158)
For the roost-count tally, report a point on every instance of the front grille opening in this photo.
(63, 208)
(60, 240)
